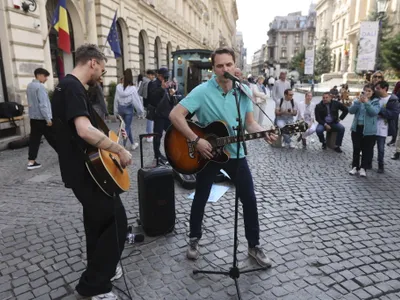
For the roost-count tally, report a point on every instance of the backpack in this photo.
(11, 109)
(291, 101)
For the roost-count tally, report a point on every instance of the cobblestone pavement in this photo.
(329, 235)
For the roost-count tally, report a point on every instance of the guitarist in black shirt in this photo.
(103, 216)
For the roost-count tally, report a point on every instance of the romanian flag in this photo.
(60, 23)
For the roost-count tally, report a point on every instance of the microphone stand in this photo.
(234, 272)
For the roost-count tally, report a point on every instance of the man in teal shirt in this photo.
(212, 101)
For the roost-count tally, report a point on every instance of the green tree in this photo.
(391, 53)
(297, 63)
(323, 57)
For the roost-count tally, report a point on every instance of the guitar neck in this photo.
(222, 141)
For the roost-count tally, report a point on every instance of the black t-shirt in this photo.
(70, 101)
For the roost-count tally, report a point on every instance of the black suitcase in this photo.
(186, 181)
(156, 197)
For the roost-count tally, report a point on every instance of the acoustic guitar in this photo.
(184, 158)
(105, 167)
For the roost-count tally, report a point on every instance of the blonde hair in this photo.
(260, 77)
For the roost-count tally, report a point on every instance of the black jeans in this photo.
(160, 125)
(103, 217)
(240, 174)
(363, 143)
(38, 129)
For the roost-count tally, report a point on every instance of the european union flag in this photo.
(113, 39)
(56, 15)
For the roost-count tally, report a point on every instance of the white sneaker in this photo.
(108, 296)
(354, 171)
(149, 139)
(363, 173)
(134, 146)
(118, 273)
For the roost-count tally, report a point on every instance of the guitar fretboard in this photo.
(222, 141)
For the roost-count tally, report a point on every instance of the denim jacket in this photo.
(372, 109)
(38, 101)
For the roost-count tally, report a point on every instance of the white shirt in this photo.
(382, 124)
(279, 89)
(306, 112)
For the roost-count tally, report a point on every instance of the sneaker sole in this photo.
(33, 168)
(262, 265)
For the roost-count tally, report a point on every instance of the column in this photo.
(90, 20)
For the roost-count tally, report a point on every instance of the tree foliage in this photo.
(391, 53)
(297, 63)
(323, 57)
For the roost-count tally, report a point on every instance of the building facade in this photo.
(288, 36)
(257, 62)
(340, 20)
(241, 55)
(149, 31)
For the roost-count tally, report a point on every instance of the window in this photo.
(343, 27)
(284, 39)
(310, 37)
(283, 53)
(296, 51)
(297, 38)
(297, 24)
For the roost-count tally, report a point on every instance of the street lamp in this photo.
(381, 7)
(315, 54)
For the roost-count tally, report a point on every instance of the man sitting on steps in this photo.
(327, 116)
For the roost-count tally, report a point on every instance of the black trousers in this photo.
(238, 170)
(38, 129)
(364, 144)
(103, 218)
(160, 125)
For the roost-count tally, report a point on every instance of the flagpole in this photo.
(47, 36)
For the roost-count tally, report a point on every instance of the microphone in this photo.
(231, 77)
(132, 238)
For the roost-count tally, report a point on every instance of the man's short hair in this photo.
(287, 91)
(305, 95)
(327, 93)
(41, 71)
(150, 72)
(223, 50)
(383, 85)
(87, 52)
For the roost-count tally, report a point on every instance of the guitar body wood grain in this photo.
(186, 160)
(106, 171)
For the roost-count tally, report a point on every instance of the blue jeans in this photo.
(149, 126)
(126, 112)
(335, 127)
(380, 142)
(244, 188)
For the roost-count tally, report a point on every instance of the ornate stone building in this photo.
(241, 55)
(340, 20)
(149, 31)
(287, 36)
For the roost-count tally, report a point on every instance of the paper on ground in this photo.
(217, 191)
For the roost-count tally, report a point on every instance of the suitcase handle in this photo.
(141, 136)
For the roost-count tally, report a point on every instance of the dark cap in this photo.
(163, 71)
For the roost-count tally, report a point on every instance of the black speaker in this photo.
(156, 200)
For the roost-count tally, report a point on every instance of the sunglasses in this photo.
(103, 73)
(377, 76)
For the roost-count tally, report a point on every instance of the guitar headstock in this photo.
(121, 121)
(299, 126)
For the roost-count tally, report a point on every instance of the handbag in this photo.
(151, 112)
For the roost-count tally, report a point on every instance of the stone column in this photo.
(90, 20)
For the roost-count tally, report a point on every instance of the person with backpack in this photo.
(40, 115)
(285, 113)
